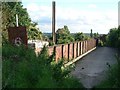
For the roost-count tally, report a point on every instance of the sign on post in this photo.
(17, 35)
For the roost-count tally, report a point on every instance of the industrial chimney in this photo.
(53, 22)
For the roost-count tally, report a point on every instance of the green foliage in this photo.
(9, 11)
(63, 36)
(34, 32)
(51, 43)
(112, 37)
(73, 83)
(58, 73)
(80, 36)
(22, 69)
(91, 34)
(96, 35)
(100, 43)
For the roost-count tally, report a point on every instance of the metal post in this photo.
(16, 20)
(53, 21)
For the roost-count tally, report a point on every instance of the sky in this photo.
(78, 15)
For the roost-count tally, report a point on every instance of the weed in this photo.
(23, 69)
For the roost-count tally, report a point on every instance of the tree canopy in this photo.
(34, 32)
(96, 35)
(113, 38)
(9, 11)
(91, 33)
(63, 36)
(80, 36)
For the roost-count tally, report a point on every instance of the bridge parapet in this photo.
(72, 50)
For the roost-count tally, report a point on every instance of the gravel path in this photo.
(91, 69)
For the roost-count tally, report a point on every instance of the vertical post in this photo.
(68, 51)
(53, 21)
(16, 20)
(91, 34)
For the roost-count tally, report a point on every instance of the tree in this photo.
(96, 35)
(34, 32)
(63, 36)
(112, 37)
(91, 34)
(80, 36)
(9, 11)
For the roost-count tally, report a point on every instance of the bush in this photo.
(51, 43)
(22, 69)
(113, 38)
(100, 43)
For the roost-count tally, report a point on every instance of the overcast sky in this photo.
(78, 15)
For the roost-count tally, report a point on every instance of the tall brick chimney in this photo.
(53, 22)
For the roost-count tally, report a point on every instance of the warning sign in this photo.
(17, 35)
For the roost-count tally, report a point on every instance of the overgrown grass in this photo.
(22, 69)
(113, 80)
